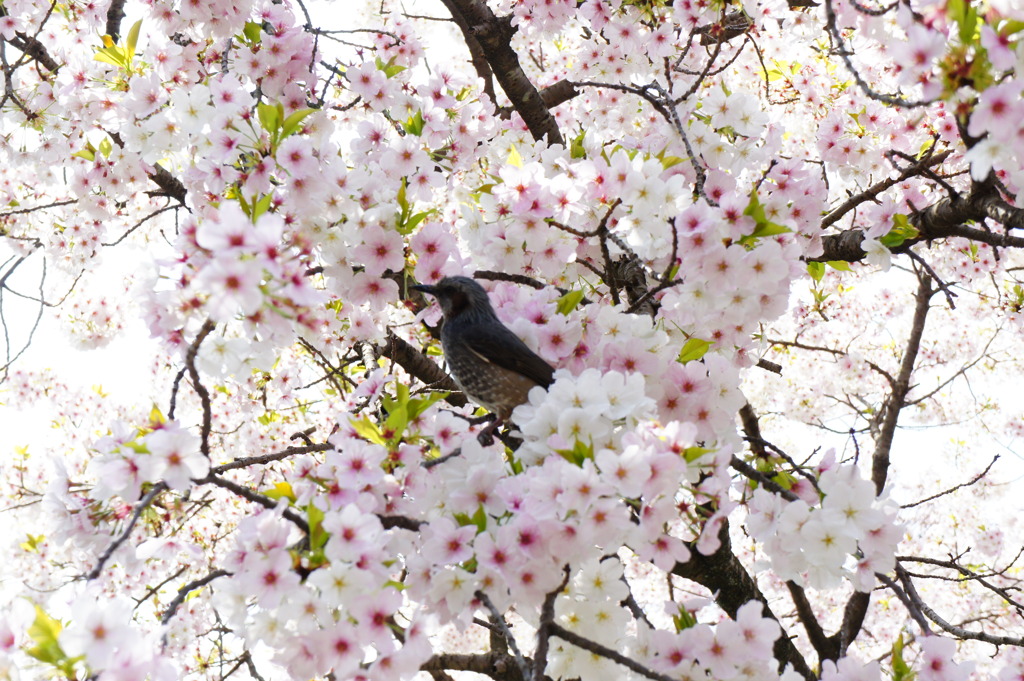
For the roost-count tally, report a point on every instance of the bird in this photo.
(489, 363)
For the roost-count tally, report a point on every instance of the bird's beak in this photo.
(425, 288)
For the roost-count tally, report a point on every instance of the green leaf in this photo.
(33, 542)
(816, 270)
(133, 38)
(391, 69)
(579, 453)
(764, 227)
(413, 222)
(755, 209)
(403, 201)
(576, 148)
(245, 205)
(840, 265)
(569, 301)
(414, 124)
(479, 519)
(691, 454)
(252, 32)
(397, 411)
(281, 490)
(683, 619)
(112, 55)
(106, 147)
(317, 535)
(293, 121)
(45, 632)
(514, 159)
(901, 231)
(969, 28)
(693, 349)
(966, 18)
(368, 430)
(420, 404)
(669, 161)
(270, 116)
(398, 419)
(261, 206)
(769, 229)
(900, 669)
(1009, 27)
(784, 479)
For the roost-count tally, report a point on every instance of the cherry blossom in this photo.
(770, 252)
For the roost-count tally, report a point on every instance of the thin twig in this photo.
(499, 622)
(943, 493)
(140, 507)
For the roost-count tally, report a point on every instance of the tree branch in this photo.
(184, 591)
(614, 655)
(197, 385)
(421, 367)
(724, 575)
(943, 219)
(959, 632)
(115, 14)
(494, 35)
(256, 498)
(895, 403)
(134, 518)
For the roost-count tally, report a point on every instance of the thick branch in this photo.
(941, 220)
(476, 52)
(558, 93)
(823, 645)
(419, 366)
(494, 35)
(169, 185)
(499, 667)
(874, 190)
(36, 50)
(115, 14)
(724, 575)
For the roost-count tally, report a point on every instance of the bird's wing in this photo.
(497, 344)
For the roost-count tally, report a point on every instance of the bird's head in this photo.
(458, 295)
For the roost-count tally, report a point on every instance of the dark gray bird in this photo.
(488, 362)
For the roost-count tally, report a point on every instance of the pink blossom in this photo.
(178, 457)
(937, 661)
(295, 156)
(381, 250)
(234, 285)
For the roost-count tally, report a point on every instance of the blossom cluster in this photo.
(126, 460)
(838, 528)
(311, 508)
